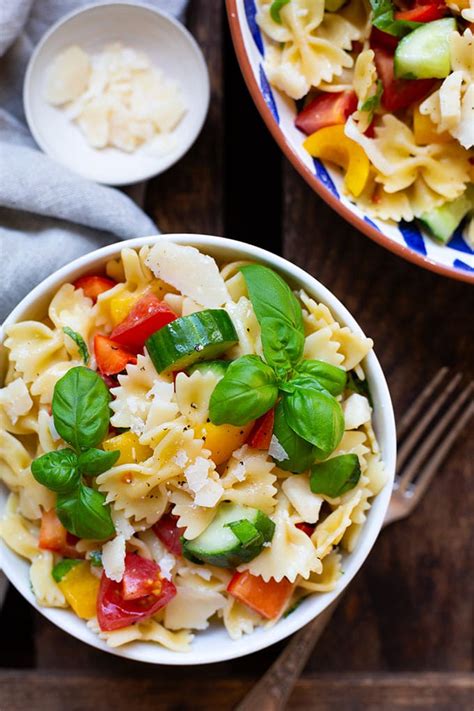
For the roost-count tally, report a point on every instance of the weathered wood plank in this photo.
(80, 692)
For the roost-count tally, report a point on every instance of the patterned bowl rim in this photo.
(311, 179)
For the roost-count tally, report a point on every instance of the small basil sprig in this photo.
(80, 343)
(63, 567)
(335, 476)
(384, 19)
(248, 389)
(373, 102)
(275, 9)
(356, 385)
(81, 416)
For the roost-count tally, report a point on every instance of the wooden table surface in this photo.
(403, 636)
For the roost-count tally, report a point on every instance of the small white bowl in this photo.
(168, 45)
(213, 644)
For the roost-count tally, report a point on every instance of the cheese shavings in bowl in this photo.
(117, 97)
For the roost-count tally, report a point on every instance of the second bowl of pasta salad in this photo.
(373, 102)
(196, 448)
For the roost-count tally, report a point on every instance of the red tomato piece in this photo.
(382, 39)
(141, 577)
(147, 316)
(110, 356)
(326, 110)
(398, 93)
(115, 612)
(307, 528)
(423, 13)
(92, 286)
(268, 599)
(54, 537)
(169, 533)
(262, 431)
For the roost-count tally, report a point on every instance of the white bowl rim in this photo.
(263, 637)
(29, 113)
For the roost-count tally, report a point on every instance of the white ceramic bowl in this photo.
(168, 45)
(214, 645)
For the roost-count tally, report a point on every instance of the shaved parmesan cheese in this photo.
(356, 411)
(68, 77)
(15, 399)
(197, 474)
(276, 450)
(117, 98)
(113, 558)
(194, 274)
(209, 495)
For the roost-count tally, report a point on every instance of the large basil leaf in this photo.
(301, 454)
(96, 461)
(272, 301)
(57, 470)
(384, 19)
(329, 377)
(81, 408)
(85, 514)
(314, 414)
(335, 476)
(247, 391)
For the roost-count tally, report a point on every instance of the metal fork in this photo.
(420, 454)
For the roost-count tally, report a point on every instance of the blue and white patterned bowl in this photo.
(278, 111)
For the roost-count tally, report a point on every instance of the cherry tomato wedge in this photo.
(169, 533)
(307, 528)
(54, 537)
(383, 39)
(141, 577)
(148, 315)
(92, 286)
(115, 612)
(262, 431)
(268, 599)
(398, 93)
(423, 13)
(110, 356)
(326, 110)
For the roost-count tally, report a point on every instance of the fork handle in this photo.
(271, 692)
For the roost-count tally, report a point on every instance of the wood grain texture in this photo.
(84, 692)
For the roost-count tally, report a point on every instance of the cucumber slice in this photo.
(235, 536)
(333, 5)
(443, 221)
(204, 335)
(424, 53)
(216, 367)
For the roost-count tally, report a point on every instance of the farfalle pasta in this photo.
(169, 460)
(397, 117)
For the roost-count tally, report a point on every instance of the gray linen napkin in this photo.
(48, 215)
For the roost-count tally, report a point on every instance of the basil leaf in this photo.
(81, 408)
(301, 454)
(85, 514)
(314, 415)
(373, 102)
(63, 567)
(356, 385)
(247, 391)
(275, 9)
(330, 377)
(80, 343)
(335, 476)
(57, 470)
(273, 301)
(96, 461)
(384, 19)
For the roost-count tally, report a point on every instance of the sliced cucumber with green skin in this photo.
(236, 535)
(204, 335)
(443, 221)
(333, 5)
(216, 367)
(424, 53)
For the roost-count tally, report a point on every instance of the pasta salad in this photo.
(386, 92)
(185, 442)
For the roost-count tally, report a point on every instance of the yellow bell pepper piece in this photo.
(222, 440)
(160, 288)
(130, 449)
(332, 144)
(121, 305)
(80, 588)
(425, 131)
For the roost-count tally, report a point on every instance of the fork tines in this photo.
(429, 428)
